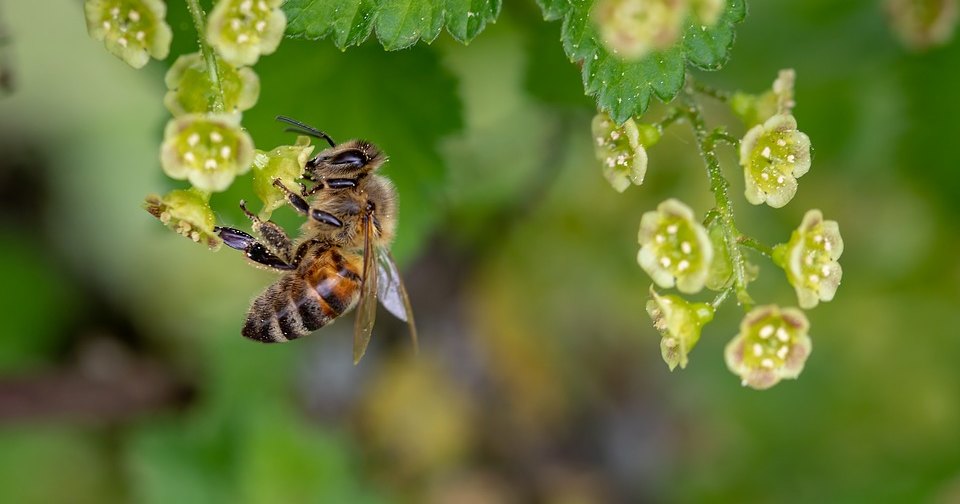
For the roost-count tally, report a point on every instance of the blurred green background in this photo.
(123, 376)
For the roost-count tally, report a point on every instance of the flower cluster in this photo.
(633, 29)
(620, 150)
(674, 248)
(772, 345)
(132, 30)
(810, 259)
(242, 30)
(773, 155)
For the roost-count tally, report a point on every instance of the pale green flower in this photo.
(680, 323)
(187, 212)
(620, 150)
(773, 155)
(132, 30)
(674, 248)
(772, 345)
(286, 163)
(242, 30)
(632, 29)
(810, 259)
(210, 150)
(190, 89)
(779, 99)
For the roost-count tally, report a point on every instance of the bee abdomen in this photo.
(283, 312)
(298, 305)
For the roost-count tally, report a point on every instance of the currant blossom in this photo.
(210, 150)
(286, 163)
(633, 29)
(242, 30)
(779, 99)
(773, 155)
(810, 259)
(679, 323)
(772, 345)
(190, 89)
(621, 150)
(674, 248)
(132, 30)
(187, 212)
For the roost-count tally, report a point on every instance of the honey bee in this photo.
(341, 261)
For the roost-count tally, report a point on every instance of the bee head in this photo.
(346, 160)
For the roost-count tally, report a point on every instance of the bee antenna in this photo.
(306, 129)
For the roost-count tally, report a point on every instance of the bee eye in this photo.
(349, 158)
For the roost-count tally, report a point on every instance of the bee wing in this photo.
(392, 293)
(367, 308)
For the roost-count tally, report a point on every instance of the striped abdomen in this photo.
(303, 301)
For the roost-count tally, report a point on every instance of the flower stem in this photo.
(712, 92)
(721, 297)
(673, 115)
(751, 243)
(706, 142)
(209, 58)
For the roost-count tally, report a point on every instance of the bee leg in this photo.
(303, 207)
(275, 237)
(254, 250)
(296, 201)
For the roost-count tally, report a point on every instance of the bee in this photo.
(342, 259)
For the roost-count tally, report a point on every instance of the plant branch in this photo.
(209, 58)
(706, 142)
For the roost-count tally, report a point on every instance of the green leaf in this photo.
(398, 23)
(623, 88)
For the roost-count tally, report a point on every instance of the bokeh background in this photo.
(123, 377)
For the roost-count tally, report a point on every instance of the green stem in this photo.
(712, 92)
(673, 115)
(748, 242)
(721, 297)
(706, 142)
(209, 58)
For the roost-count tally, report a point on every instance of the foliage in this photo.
(398, 23)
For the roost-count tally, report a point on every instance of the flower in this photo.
(674, 247)
(679, 322)
(620, 150)
(633, 29)
(286, 163)
(132, 30)
(773, 155)
(755, 109)
(922, 24)
(772, 345)
(208, 149)
(190, 89)
(187, 212)
(242, 30)
(810, 259)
